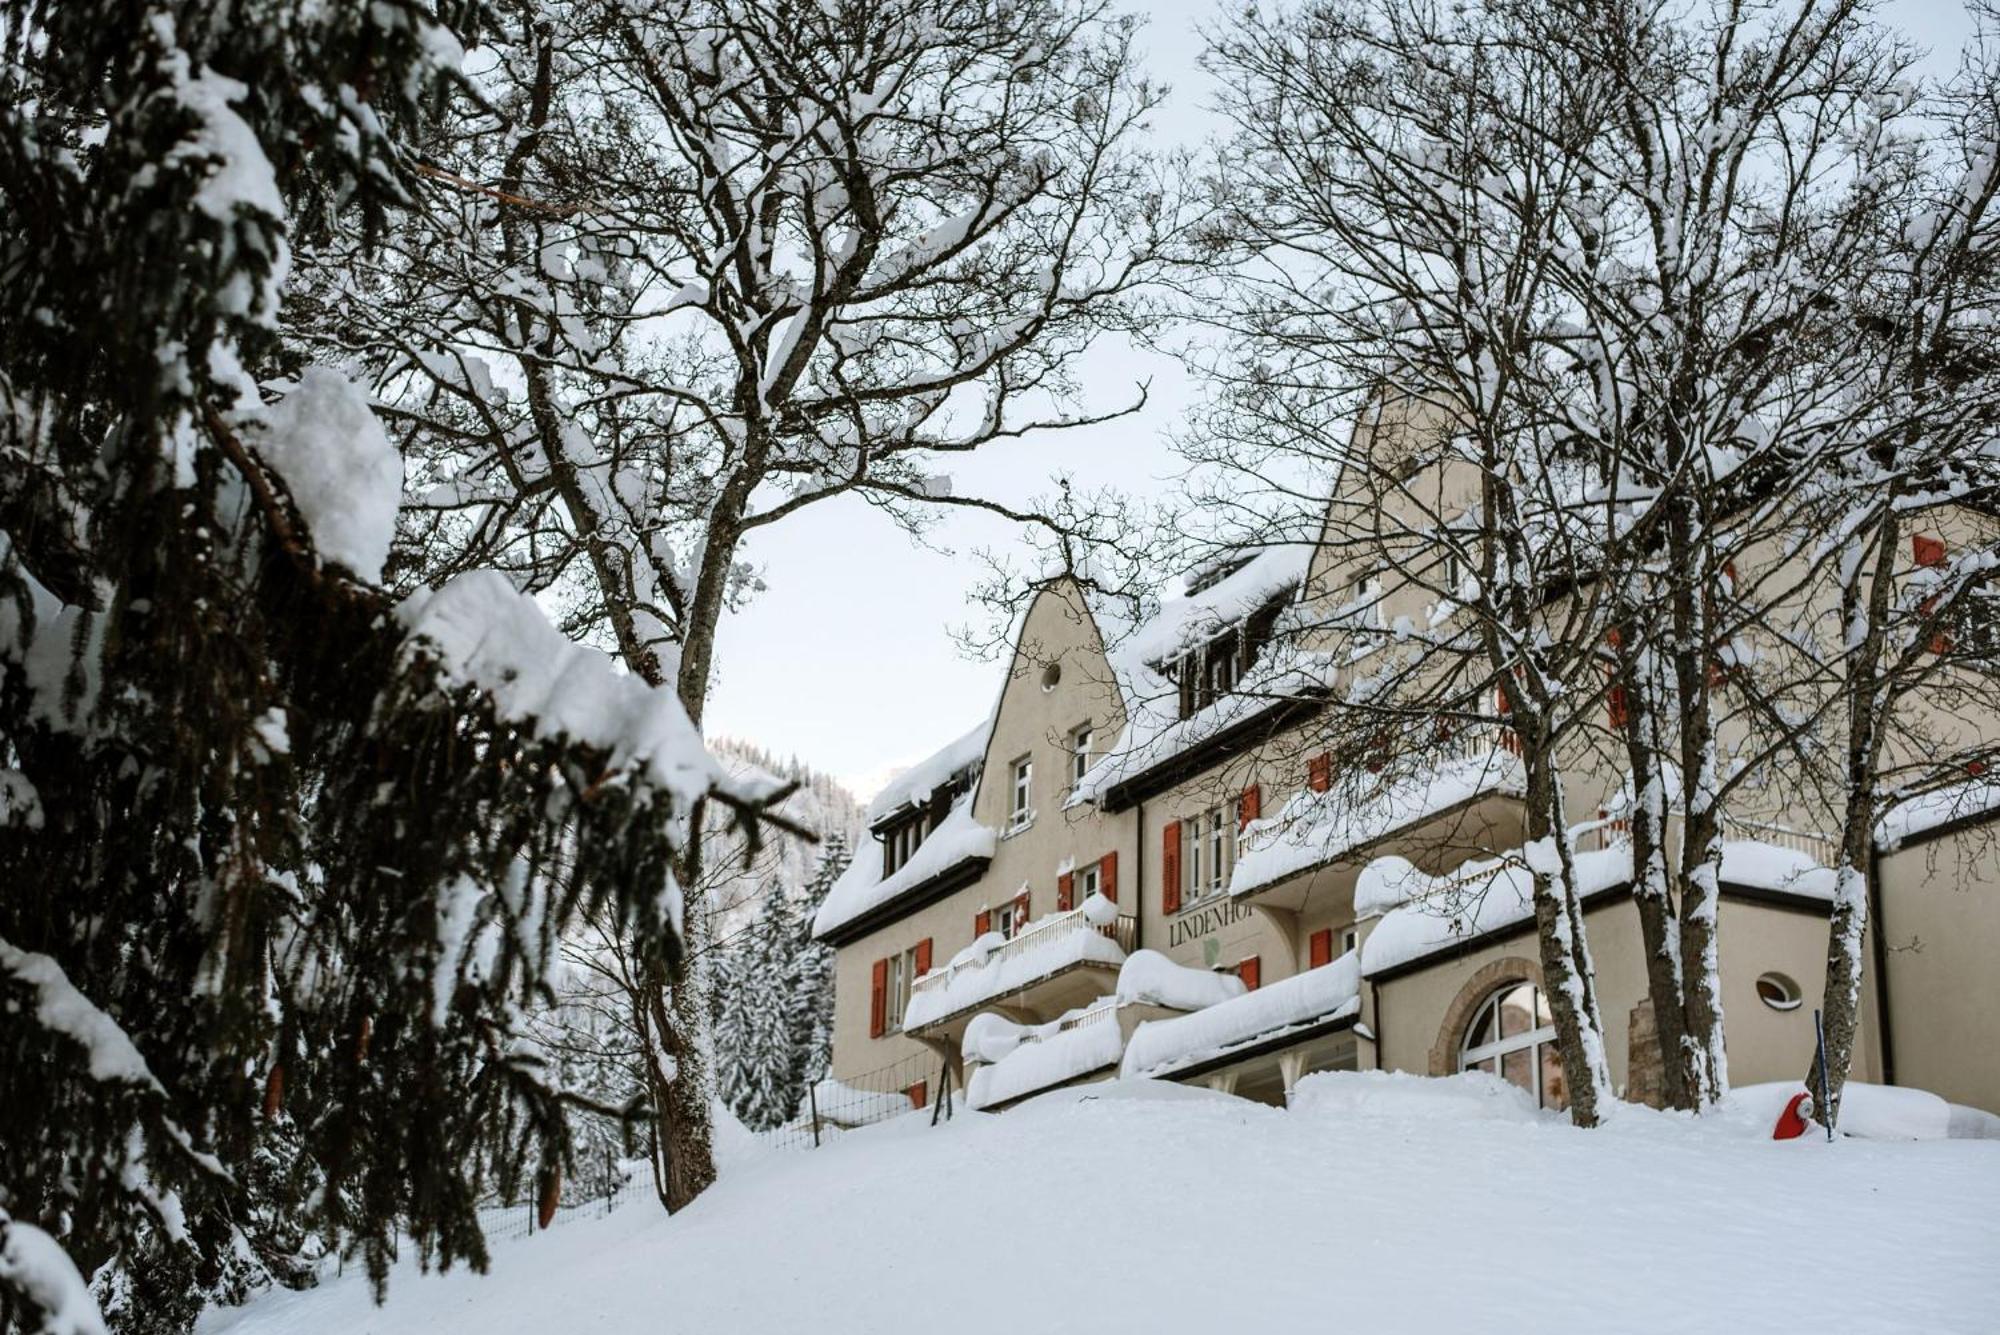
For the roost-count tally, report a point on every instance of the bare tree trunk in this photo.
(1566, 979)
(1659, 929)
(1865, 688)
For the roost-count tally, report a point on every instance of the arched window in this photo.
(1513, 1036)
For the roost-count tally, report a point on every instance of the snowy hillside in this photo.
(821, 805)
(1377, 1202)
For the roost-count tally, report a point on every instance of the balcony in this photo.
(1465, 803)
(1083, 1045)
(1054, 965)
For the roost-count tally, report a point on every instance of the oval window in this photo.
(1051, 675)
(1778, 992)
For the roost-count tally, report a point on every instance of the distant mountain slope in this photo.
(821, 804)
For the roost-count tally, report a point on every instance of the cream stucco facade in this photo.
(1153, 811)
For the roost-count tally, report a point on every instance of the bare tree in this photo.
(1397, 201)
(1904, 518)
(691, 267)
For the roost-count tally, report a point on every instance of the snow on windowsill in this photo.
(862, 887)
(1162, 1047)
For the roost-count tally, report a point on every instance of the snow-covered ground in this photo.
(1375, 1202)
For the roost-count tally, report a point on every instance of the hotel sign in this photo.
(1198, 923)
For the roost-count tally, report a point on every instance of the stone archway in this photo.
(1489, 978)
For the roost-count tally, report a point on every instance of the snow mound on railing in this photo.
(1482, 897)
(1312, 829)
(999, 974)
(1161, 1047)
(1149, 976)
(1044, 1055)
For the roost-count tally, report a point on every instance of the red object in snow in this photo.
(1796, 1119)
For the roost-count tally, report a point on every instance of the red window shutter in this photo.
(1320, 948)
(1107, 876)
(982, 923)
(1170, 868)
(878, 1000)
(1319, 772)
(920, 1094)
(1501, 704)
(1247, 805)
(1927, 550)
(1021, 914)
(1065, 892)
(1616, 706)
(1249, 971)
(923, 965)
(1615, 638)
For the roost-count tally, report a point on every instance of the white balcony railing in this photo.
(1102, 1012)
(1821, 848)
(1003, 964)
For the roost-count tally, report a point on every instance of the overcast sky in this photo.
(846, 660)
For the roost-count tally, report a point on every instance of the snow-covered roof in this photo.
(1312, 829)
(1422, 915)
(915, 784)
(1154, 731)
(1919, 815)
(862, 887)
(1192, 618)
(1162, 1047)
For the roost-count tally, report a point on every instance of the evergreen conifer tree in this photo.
(273, 842)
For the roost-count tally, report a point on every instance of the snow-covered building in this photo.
(1144, 863)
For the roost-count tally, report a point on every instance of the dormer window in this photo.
(1217, 667)
(901, 841)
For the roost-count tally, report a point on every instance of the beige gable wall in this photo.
(1030, 721)
(1037, 723)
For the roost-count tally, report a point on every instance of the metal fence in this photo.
(503, 1222)
(834, 1108)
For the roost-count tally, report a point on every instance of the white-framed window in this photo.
(1350, 939)
(1008, 921)
(1079, 752)
(1513, 1036)
(1022, 810)
(900, 844)
(1208, 852)
(1087, 882)
(902, 972)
